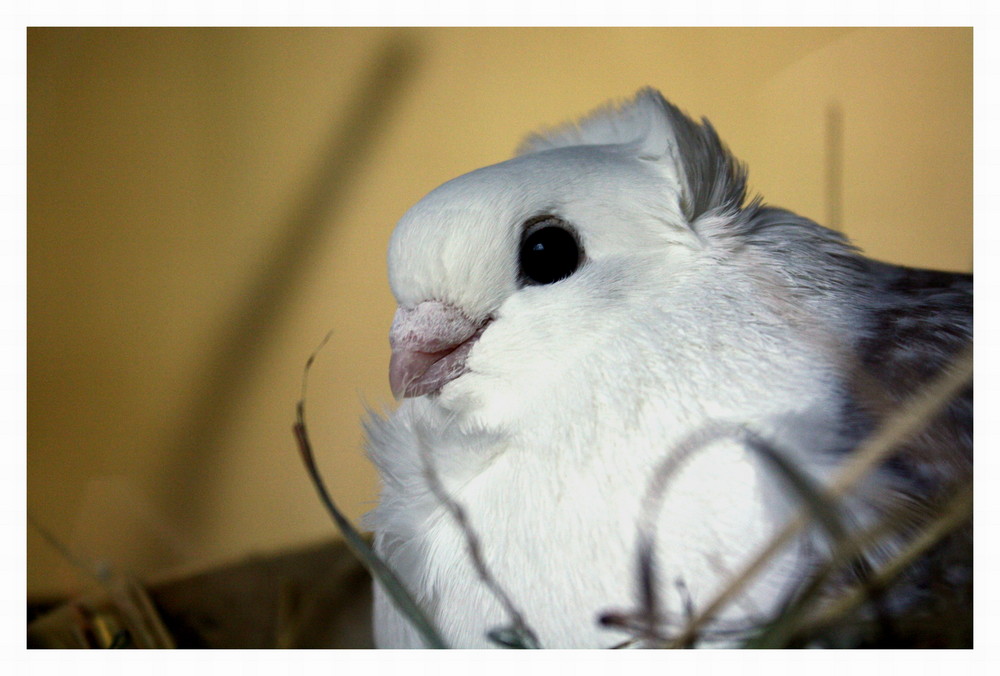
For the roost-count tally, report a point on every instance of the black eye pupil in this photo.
(548, 254)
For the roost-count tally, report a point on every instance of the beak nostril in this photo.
(430, 326)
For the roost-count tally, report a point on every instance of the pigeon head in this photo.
(516, 258)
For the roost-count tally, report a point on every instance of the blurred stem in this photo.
(379, 570)
(906, 421)
(957, 512)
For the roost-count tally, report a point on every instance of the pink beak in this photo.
(430, 343)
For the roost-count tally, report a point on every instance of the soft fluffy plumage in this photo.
(544, 408)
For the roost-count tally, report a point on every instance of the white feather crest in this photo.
(643, 121)
(708, 177)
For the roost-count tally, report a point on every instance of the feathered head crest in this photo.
(712, 180)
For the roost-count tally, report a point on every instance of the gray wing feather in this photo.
(920, 321)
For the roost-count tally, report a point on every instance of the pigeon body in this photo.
(571, 317)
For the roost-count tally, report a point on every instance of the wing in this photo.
(920, 322)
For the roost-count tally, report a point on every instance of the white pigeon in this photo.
(568, 319)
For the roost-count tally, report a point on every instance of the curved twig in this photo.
(379, 570)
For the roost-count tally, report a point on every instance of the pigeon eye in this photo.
(549, 252)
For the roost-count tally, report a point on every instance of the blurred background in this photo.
(204, 205)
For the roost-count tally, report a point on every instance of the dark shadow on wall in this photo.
(191, 463)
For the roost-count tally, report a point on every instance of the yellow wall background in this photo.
(205, 204)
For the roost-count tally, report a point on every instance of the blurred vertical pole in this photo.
(189, 466)
(834, 133)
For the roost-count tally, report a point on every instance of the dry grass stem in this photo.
(907, 420)
(518, 634)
